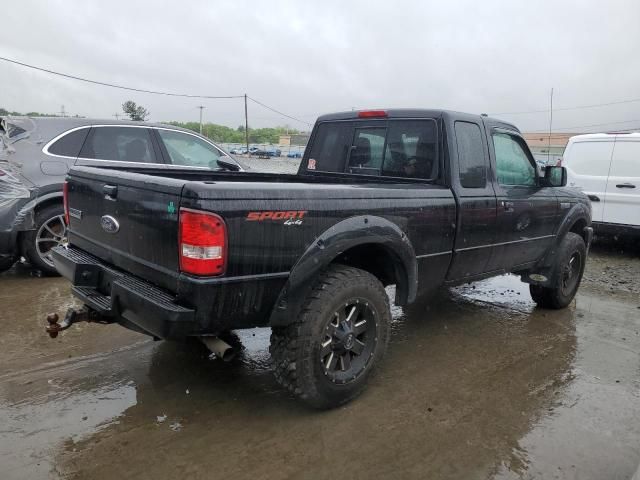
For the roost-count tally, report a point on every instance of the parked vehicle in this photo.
(238, 151)
(294, 155)
(411, 198)
(607, 168)
(266, 152)
(36, 153)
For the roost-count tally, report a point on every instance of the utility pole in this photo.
(62, 112)
(201, 108)
(117, 115)
(246, 123)
(550, 126)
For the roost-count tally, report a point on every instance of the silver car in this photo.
(37, 152)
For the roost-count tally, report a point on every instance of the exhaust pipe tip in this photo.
(220, 348)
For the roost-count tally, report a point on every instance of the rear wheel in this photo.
(51, 231)
(572, 256)
(326, 356)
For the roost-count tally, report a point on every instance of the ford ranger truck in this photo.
(412, 198)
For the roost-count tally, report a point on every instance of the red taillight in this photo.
(202, 243)
(372, 113)
(65, 201)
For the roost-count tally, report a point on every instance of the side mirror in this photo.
(554, 176)
(227, 163)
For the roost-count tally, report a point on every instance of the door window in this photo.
(125, 144)
(512, 162)
(471, 159)
(189, 150)
(589, 158)
(626, 160)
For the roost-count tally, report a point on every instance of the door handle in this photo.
(110, 191)
(508, 206)
(625, 185)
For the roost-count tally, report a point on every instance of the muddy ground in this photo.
(478, 384)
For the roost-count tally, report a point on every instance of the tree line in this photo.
(213, 131)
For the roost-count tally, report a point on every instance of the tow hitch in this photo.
(84, 314)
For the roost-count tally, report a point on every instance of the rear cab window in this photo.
(394, 148)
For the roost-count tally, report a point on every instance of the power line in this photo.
(277, 111)
(578, 107)
(154, 92)
(112, 85)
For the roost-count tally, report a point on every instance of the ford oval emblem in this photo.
(109, 224)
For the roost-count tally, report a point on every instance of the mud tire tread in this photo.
(291, 346)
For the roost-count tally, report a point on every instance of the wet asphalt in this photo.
(478, 384)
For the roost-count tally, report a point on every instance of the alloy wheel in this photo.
(52, 232)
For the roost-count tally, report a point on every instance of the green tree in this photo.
(135, 112)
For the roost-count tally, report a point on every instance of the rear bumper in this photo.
(126, 299)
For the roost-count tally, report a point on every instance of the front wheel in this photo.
(326, 356)
(572, 257)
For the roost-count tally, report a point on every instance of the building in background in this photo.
(545, 151)
(300, 139)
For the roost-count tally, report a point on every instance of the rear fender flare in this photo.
(349, 233)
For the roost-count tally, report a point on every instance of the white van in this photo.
(606, 167)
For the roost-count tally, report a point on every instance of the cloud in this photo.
(308, 58)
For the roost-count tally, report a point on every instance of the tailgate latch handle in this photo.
(110, 191)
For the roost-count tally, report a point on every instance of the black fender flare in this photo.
(577, 212)
(344, 235)
(548, 265)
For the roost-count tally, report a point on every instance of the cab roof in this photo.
(415, 113)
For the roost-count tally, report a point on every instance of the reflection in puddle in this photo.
(470, 374)
(34, 428)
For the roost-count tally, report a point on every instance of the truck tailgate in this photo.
(128, 220)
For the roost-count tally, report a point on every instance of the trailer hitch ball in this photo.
(53, 328)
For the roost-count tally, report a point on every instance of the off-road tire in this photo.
(29, 250)
(557, 297)
(297, 348)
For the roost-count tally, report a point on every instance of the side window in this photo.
(367, 151)
(626, 159)
(70, 144)
(471, 158)
(512, 163)
(411, 149)
(189, 150)
(590, 158)
(125, 144)
(330, 147)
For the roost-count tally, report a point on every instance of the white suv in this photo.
(606, 167)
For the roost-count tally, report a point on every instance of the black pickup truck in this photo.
(412, 198)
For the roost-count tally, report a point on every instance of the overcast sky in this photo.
(307, 58)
